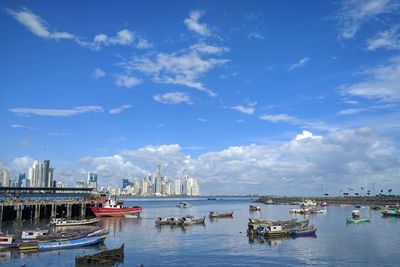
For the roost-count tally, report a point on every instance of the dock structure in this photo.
(18, 203)
(26, 210)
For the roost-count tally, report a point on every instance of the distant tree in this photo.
(326, 194)
(390, 191)
(356, 194)
(368, 193)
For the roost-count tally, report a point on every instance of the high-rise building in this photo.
(21, 177)
(157, 182)
(125, 183)
(34, 174)
(4, 178)
(45, 173)
(177, 187)
(80, 184)
(92, 180)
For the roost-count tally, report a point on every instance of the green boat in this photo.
(391, 212)
(363, 220)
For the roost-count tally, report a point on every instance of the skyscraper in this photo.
(92, 180)
(125, 183)
(4, 178)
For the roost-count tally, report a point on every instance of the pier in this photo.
(18, 203)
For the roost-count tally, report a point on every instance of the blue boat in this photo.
(306, 231)
(71, 243)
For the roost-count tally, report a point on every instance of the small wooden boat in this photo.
(391, 212)
(359, 220)
(70, 243)
(131, 216)
(215, 214)
(162, 221)
(254, 208)
(190, 221)
(27, 246)
(109, 257)
(274, 231)
(65, 222)
(8, 241)
(305, 231)
(184, 205)
(211, 198)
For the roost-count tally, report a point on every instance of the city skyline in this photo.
(254, 97)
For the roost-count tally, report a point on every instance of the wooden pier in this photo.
(27, 210)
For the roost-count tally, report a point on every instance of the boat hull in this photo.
(114, 212)
(70, 243)
(75, 223)
(358, 220)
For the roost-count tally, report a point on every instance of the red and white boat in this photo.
(115, 208)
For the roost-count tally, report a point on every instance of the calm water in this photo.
(224, 242)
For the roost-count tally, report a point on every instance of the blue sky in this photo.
(247, 96)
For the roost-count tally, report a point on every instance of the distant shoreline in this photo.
(366, 200)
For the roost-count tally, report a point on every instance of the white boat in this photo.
(65, 222)
(184, 205)
(8, 241)
(33, 234)
(254, 208)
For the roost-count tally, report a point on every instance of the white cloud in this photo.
(98, 73)
(202, 120)
(387, 39)
(127, 81)
(119, 109)
(382, 83)
(355, 13)
(301, 63)
(173, 98)
(23, 127)
(350, 111)
(307, 135)
(56, 112)
(209, 49)
(182, 69)
(342, 159)
(143, 44)
(123, 37)
(194, 25)
(255, 36)
(248, 109)
(278, 118)
(37, 25)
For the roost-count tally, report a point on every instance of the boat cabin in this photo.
(6, 239)
(33, 234)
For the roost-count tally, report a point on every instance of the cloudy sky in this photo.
(270, 97)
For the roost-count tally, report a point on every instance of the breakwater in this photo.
(363, 200)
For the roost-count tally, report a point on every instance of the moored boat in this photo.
(70, 243)
(184, 205)
(114, 208)
(8, 241)
(216, 214)
(359, 220)
(272, 231)
(305, 231)
(33, 234)
(391, 212)
(190, 221)
(254, 208)
(65, 222)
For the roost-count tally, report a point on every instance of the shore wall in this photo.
(363, 200)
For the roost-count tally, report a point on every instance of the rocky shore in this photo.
(362, 200)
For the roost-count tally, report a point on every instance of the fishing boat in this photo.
(115, 208)
(71, 243)
(162, 221)
(184, 205)
(108, 257)
(391, 212)
(216, 214)
(272, 231)
(131, 216)
(190, 221)
(308, 203)
(360, 220)
(211, 198)
(8, 241)
(254, 208)
(305, 231)
(65, 222)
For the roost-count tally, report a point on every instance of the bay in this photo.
(224, 242)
